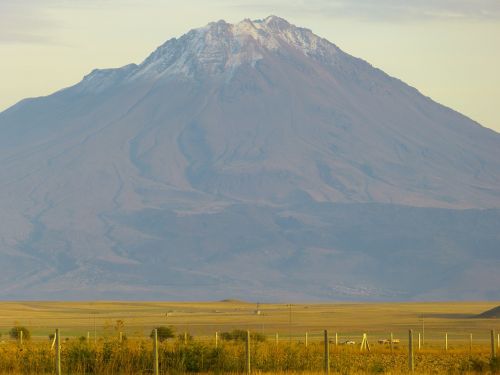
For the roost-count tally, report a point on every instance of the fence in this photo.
(312, 351)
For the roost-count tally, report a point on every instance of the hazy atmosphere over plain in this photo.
(447, 49)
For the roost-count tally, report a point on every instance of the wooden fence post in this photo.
(423, 330)
(411, 359)
(58, 352)
(493, 346)
(470, 343)
(277, 338)
(248, 359)
(216, 340)
(327, 354)
(20, 335)
(419, 342)
(364, 343)
(95, 331)
(155, 352)
(392, 343)
(336, 339)
(446, 341)
(306, 340)
(121, 336)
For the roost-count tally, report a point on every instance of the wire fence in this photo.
(308, 352)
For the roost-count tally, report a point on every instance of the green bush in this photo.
(377, 368)
(495, 365)
(15, 333)
(478, 365)
(164, 333)
(241, 335)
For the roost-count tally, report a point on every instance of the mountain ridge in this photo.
(241, 151)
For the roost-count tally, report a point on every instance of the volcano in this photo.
(254, 160)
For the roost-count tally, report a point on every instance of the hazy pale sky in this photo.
(448, 49)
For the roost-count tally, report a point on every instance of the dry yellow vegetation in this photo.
(136, 357)
(205, 318)
(82, 353)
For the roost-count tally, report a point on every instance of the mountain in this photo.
(493, 313)
(252, 160)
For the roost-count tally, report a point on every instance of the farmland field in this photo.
(205, 318)
(90, 333)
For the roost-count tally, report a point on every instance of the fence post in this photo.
(423, 330)
(327, 354)
(248, 359)
(336, 339)
(446, 341)
(470, 343)
(493, 346)
(121, 336)
(88, 338)
(155, 352)
(364, 343)
(58, 352)
(216, 339)
(21, 337)
(306, 340)
(95, 331)
(419, 342)
(277, 338)
(185, 338)
(411, 359)
(392, 343)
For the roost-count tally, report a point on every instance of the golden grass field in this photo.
(205, 318)
(106, 355)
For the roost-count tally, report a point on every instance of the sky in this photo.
(447, 49)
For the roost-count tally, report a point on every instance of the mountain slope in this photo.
(177, 172)
(493, 313)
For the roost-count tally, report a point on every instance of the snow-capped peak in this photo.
(275, 22)
(221, 47)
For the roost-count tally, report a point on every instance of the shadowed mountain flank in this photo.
(494, 313)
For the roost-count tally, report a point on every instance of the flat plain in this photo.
(202, 319)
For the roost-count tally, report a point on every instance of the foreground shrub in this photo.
(164, 333)
(495, 365)
(241, 335)
(15, 333)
